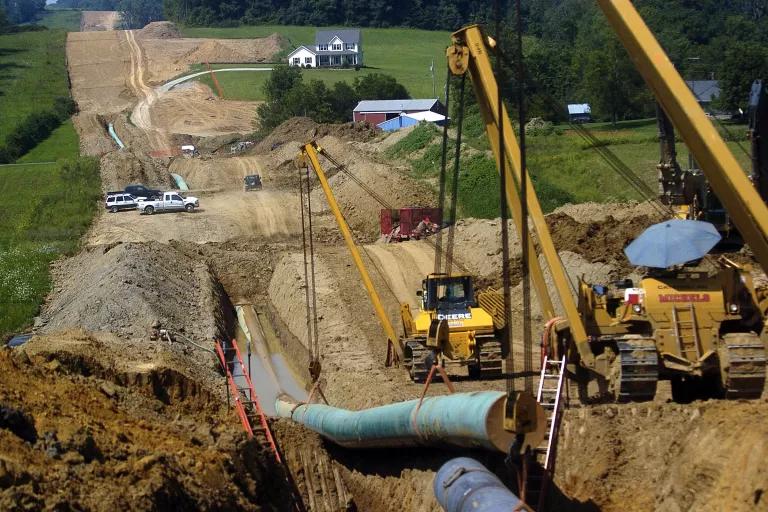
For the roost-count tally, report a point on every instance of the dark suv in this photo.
(142, 191)
(252, 182)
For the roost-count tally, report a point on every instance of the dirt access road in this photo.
(99, 20)
(221, 217)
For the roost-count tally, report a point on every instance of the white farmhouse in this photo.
(333, 48)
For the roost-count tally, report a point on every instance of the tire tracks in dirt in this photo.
(141, 115)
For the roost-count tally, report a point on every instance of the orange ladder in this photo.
(246, 401)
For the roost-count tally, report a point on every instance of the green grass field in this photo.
(62, 143)
(44, 207)
(564, 168)
(44, 210)
(64, 19)
(32, 73)
(405, 54)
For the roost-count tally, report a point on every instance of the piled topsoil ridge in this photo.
(304, 129)
(159, 30)
(665, 457)
(125, 288)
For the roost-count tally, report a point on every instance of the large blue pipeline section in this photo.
(113, 134)
(180, 183)
(464, 485)
(471, 420)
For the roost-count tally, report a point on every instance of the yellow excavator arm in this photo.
(469, 55)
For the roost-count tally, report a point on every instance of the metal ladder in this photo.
(691, 324)
(246, 401)
(549, 395)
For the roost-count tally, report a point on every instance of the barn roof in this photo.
(579, 108)
(395, 105)
(704, 90)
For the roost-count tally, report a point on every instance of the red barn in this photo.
(378, 111)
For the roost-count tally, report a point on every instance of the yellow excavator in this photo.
(698, 329)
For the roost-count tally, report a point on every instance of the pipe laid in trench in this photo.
(464, 485)
(113, 134)
(471, 420)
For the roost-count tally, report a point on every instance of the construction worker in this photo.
(424, 228)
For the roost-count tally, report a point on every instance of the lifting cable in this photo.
(602, 150)
(309, 284)
(443, 163)
(525, 256)
(504, 211)
(343, 168)
(386, 205)
(455, 184)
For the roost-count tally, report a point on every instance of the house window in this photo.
(336, 60)
(307, 60)
(336, 47)
(322, 47)
(350, 46)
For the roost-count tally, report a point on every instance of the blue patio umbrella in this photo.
(672, 242)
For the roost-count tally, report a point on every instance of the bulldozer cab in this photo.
(446, 294)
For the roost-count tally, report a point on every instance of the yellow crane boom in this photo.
(310, 155)
(726, 177)
(469, 54)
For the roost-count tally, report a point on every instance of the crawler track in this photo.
(742, 365)
(636, 370)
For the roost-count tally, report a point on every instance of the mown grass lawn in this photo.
(405, 54)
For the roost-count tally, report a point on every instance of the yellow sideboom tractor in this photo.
(700, 330)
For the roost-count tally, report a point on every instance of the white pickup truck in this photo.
(171, 202)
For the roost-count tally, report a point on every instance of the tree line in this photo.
(573, 56)
(571, 53)
(35, 128)
(426, 14)
(288, 95)
(13, 12)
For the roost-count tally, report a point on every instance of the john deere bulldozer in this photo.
(450, 323)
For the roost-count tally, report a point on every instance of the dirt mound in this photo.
(304, 129)
(598, 212)
(392, 187)
(159, 30)
(169, 372)
(214, 50)
(102, 446)
(666, 457)
(599, 241)
(124, 288)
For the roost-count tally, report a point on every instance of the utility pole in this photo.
(432, 71)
